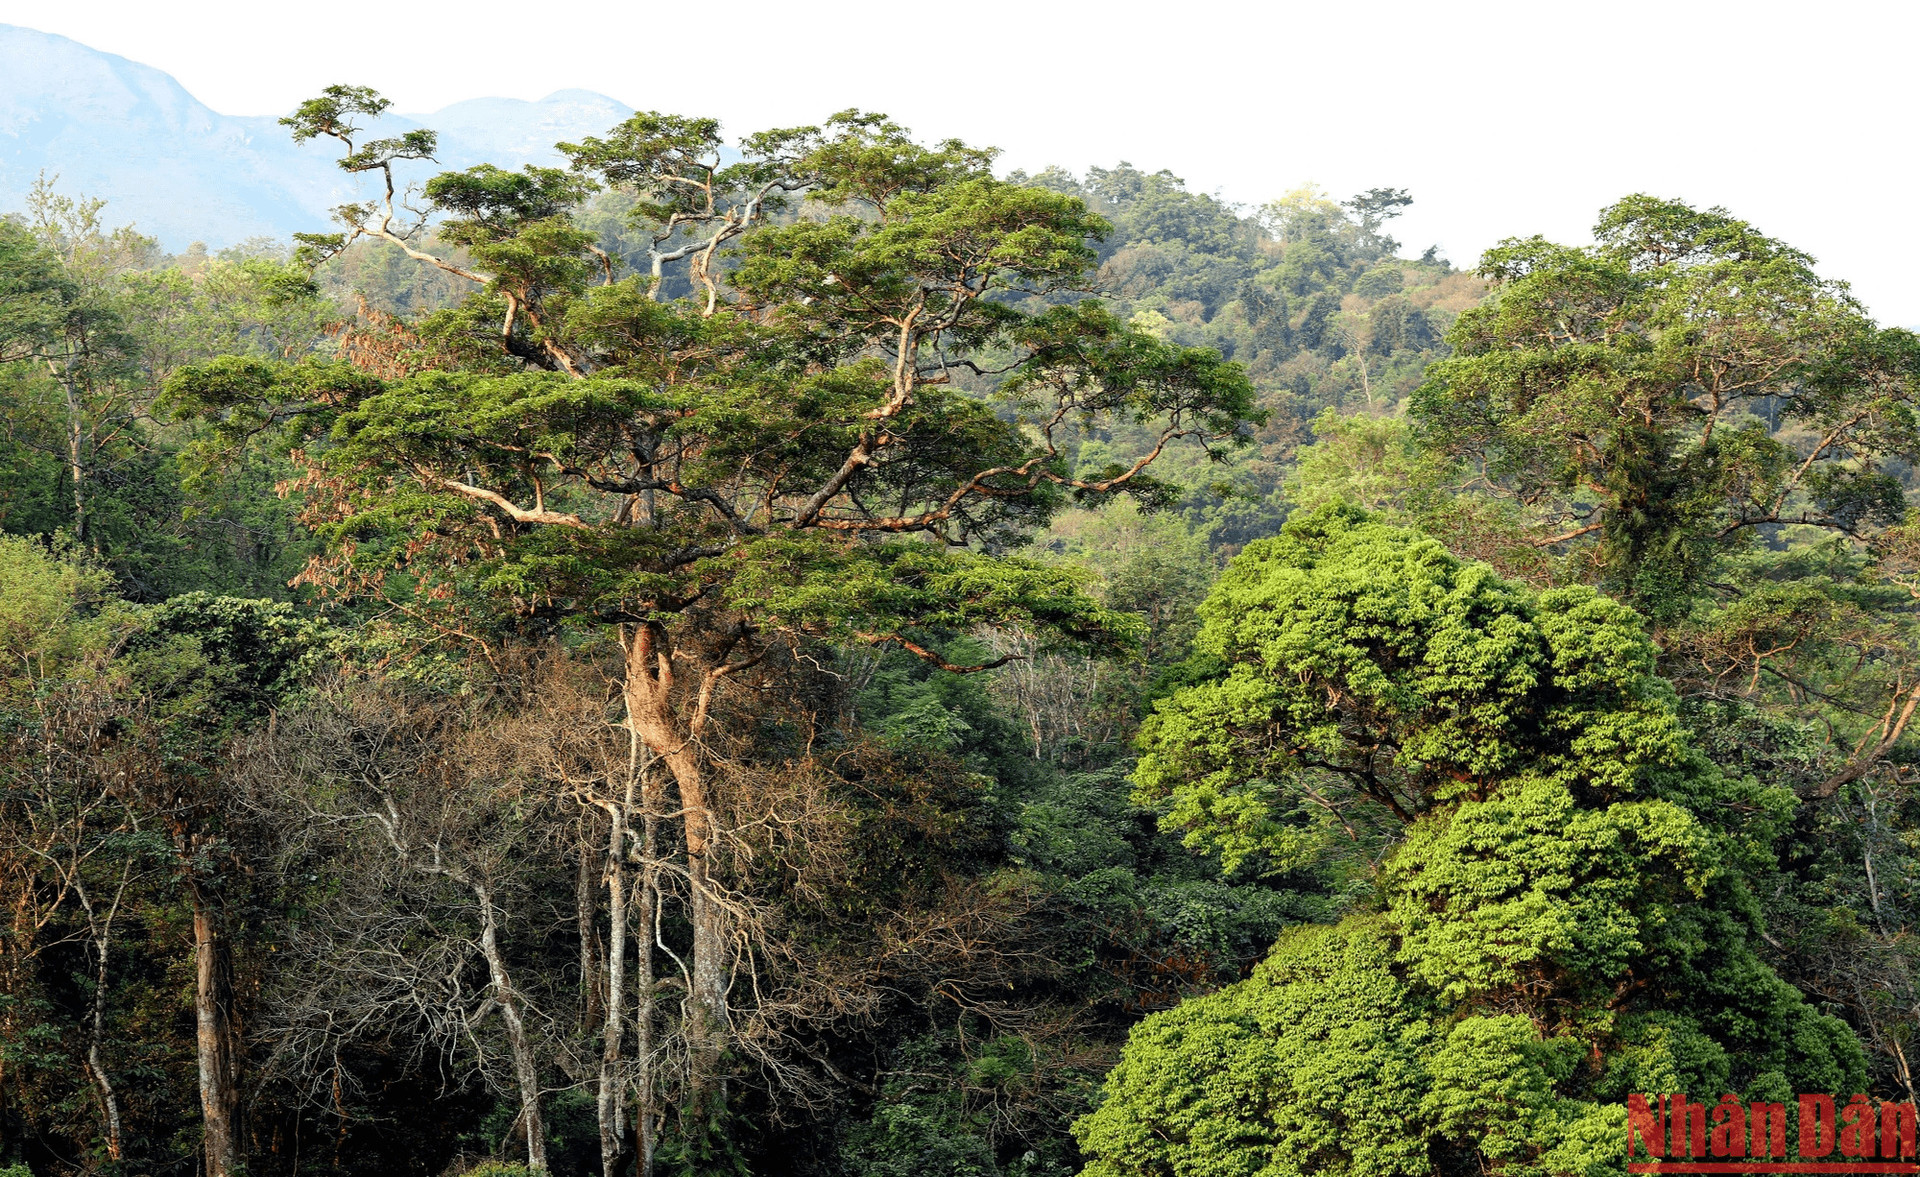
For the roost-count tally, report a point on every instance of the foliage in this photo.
(53, 611)
(1305, 292)
(793, 541)
(1563, 919)
(1398, 675)
(95, 320)
(1633, 391)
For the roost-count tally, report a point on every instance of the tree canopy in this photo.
(808, 653)
(1564, 919)
(1634, 393)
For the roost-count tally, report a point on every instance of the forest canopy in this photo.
(814, 654)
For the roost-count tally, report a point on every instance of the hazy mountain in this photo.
(117, 129)
(511, 131)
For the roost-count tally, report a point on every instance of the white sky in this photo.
(1502, 118)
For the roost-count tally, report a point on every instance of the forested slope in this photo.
(816, 658)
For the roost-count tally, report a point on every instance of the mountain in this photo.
(129, 133)
(511, 132)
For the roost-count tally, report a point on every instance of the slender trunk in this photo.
(1906, 1075)
(586, 917)
(76, 450)
(610, 1105)
(218, 1095)
(526, 1072)
(649, 920)
(7, 1035)
(340, 1110)
(110, 1101)
(100, 931)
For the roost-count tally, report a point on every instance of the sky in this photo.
(1502, 119)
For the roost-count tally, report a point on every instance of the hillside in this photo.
(129, 133)
(951, 674)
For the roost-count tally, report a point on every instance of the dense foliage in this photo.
(813, 656)
(1564, 915)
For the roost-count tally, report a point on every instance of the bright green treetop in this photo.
(1359, 660)
(1561, 916)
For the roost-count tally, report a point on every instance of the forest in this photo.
(807, 654)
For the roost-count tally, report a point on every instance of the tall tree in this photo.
(206, 669)
(1688, 415)
(64, 318)
(834, 441)
(1632, 392)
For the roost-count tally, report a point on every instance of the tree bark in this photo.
(649, 916)
(586, 917)
(526, 1071)
(100, 931)
(609, 1104)
(97, 1067)
(707, 1013)
(219, 1097)
(648, 695)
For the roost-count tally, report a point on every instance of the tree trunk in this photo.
(219, 1097)
(101, 933)
(649, 917)
(586, 917)
(76, 451)
(526, 1072)
(16, 949)
(109, 1100)
(610, 1105)
(707, 1011)
(648, 693)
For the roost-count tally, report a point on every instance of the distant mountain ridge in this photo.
(179, 171)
